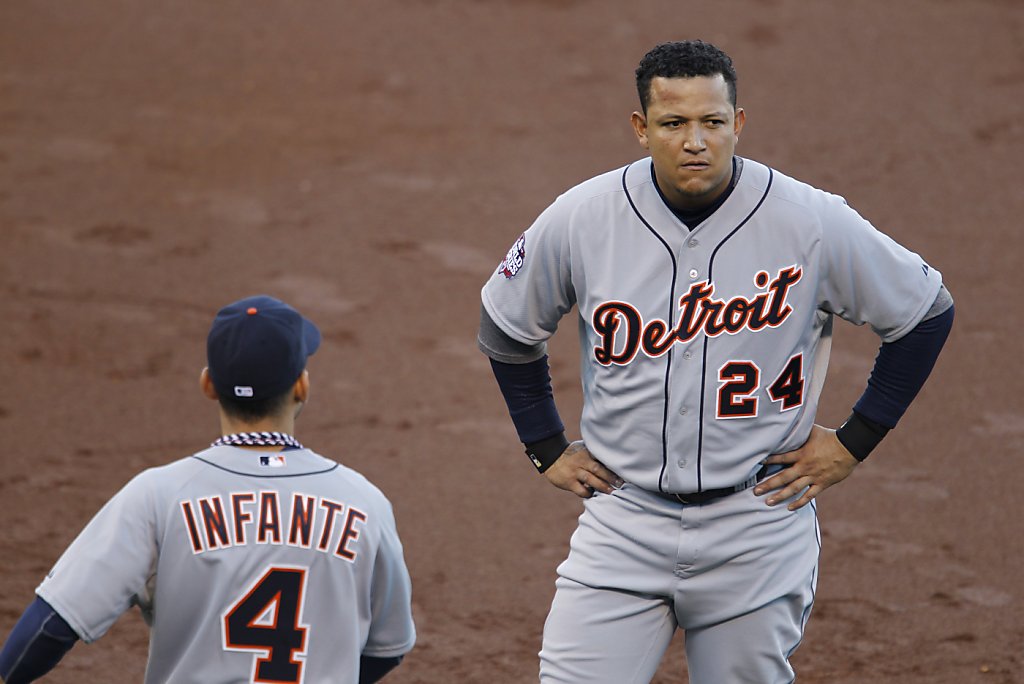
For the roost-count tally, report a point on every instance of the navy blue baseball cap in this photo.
(257, 348)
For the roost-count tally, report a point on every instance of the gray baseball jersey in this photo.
(249, 566)
(704, 351)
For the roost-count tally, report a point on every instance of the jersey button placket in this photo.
(690, 258)
(682, 411)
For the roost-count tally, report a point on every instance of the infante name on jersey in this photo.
(221, 522)
(698, 311)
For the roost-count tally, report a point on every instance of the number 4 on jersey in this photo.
(788, 388)
(266, 619)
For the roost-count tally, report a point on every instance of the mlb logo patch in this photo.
(514, 259)
(272, 461)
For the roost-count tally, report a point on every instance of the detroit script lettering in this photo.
(620, 326)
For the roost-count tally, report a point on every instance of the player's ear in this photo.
(639, 122)
(206, 385)
(301, 388)
(738, 120)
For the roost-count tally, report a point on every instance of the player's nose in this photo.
(693, 141)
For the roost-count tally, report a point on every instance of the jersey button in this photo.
(682, 463)
(694, 242)
(683, 411)
(687, 355)
(693, 273)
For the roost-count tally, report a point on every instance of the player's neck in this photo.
(284, 423)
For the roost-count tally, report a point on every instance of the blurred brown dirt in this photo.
(371, 163)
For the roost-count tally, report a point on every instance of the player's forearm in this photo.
(900, 371)
(38, 641)
(526, 388)
(524, 379)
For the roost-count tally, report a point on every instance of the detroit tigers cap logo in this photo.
(514, 259)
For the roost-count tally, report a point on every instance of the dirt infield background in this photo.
(371, 162)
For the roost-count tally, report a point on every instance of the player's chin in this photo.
(695, 191)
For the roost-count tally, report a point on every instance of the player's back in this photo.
(271, 566)
(271, 557)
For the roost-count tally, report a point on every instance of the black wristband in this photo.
(860, 435)
(546, 451)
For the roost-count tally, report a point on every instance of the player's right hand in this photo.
(578, 472)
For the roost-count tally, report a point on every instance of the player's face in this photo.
(690, 130)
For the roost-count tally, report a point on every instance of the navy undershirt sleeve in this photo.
(900, 371)
(38, 641)
(531, 403)
(372, 669)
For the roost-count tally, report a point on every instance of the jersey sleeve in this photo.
(106, 568)
(532, 287)
(870, 278)
(392, 632)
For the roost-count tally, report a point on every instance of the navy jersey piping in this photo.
(704, 359)
(240, 472)
(814, 582)
(671, 323)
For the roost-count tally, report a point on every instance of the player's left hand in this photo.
(820, 463)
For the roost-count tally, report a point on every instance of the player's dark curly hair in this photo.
(683, 59)
(251, 411)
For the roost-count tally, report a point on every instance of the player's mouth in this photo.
(696, 165)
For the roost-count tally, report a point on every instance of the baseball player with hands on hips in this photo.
(706, 286)
(253, 560)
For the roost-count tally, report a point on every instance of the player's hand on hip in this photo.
(820, 463)
(578, 472)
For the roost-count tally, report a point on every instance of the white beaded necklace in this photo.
(259, 439)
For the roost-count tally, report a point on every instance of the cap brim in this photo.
(311, 335)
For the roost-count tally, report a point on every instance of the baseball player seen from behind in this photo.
(254, 560)
(706, 286)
